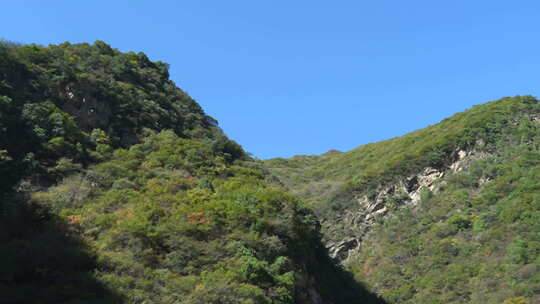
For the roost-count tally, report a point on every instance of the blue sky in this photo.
(303, 77)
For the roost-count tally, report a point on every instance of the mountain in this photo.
(446, 214)
(118, 188)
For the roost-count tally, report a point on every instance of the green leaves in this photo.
(82, 101)
(131, 171)
(518, 252)
(174, 205)
(467, 238)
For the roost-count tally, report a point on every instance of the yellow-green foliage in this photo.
(77, 102)
(171, 221)
(518, 300)
(338, 175)
(464, 244)
(117, 188)
(467, 243)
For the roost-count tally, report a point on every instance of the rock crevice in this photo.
(407, 191)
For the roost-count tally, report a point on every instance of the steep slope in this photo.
(80, 101)
(171, 221)
(474, 240)
(405, 213)
(117, 188)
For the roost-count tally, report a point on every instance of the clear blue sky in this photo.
(303, 77)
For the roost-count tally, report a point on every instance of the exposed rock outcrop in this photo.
(407, 191)
(340, 250)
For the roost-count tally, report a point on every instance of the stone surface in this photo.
(358, 221)
(341, 250)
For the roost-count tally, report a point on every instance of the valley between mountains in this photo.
(118, 188)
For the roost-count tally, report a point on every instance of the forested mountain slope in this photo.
(78, 102)
(446, 214)
(118, 188)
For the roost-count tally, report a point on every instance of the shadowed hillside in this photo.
(118, 188)
(43, 260)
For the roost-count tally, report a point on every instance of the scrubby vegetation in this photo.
(171, 221)
(468, 243)
(66, 106)
(117, 188)
(327, 180)
(473, 241)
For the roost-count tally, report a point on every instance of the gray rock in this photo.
(359, 221)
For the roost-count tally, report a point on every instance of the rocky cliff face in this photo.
(356, 222)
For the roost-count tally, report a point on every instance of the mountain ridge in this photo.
(130, 193)
(365, 189)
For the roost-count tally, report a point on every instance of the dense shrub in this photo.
(473, 241)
